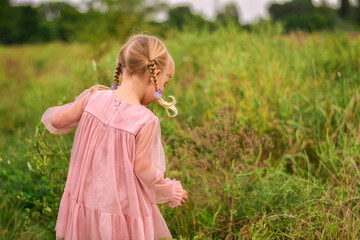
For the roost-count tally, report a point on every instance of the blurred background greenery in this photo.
(103, 19)
(267, 139)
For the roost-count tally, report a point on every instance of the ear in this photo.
(157, 72)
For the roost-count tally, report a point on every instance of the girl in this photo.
(117, 164)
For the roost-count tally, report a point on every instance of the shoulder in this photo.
(85, 95)
(150, 120)
(148, 117)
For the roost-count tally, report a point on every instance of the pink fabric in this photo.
(116, 172)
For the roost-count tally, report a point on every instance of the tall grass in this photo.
(266, 142)
(13, 222)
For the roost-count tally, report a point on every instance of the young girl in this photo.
(117, 164)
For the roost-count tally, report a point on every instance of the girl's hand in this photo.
(184, 197)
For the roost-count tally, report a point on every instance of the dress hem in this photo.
(77, 221)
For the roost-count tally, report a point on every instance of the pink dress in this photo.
(116, 172)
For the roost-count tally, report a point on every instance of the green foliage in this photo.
(24, 25)
(300, 14)
(266, 142)
(278, 11)
(100, 20)
(62, 19)
(229, 14)
(344, 8)
(5, 26)
(267, 27)
(309, 21)
(182, 18)
(48, 162)
(14, 223)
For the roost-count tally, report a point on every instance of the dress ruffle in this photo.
(77, 221)
(176, 194)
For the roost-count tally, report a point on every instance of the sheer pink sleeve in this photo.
(62, 119)
(150, 166)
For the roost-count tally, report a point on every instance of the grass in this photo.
(266, 142)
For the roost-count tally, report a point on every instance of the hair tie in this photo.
(114, 87)
(158, 93)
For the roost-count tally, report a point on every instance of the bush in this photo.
(308, 21)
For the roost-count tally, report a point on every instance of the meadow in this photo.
(266, 141)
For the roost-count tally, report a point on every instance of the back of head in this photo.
(143, 53)
(139, 51)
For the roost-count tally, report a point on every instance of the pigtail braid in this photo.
(168, 106)
(152, 68)
(118, 72)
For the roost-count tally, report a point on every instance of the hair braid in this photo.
(152, 68)
(118, 71)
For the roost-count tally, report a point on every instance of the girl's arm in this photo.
(62, 119)
(149, 166)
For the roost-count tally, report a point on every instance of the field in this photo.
(266, 141)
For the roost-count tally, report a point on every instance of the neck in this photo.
(130, 90)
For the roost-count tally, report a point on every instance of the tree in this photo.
(357, 14)
(5, 21)
(302, 14)
(229, 14)
(116, 5)
(64, 20)
(344, 8)
(278, 11)
(182, 16)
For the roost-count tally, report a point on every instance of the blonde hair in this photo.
(140, 53)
